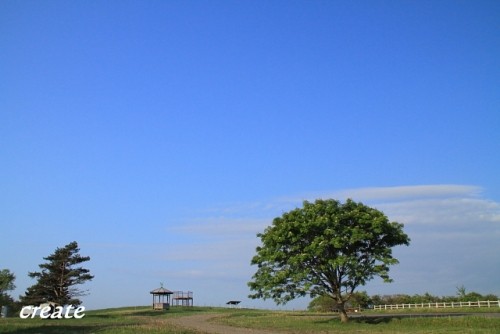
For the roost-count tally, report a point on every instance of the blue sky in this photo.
(162, 136)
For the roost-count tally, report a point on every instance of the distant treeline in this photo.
(363, 300)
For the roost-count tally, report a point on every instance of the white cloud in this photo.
(384, 193)
(443, 211)
(405, 192)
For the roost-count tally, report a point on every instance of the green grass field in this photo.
(139, 320)
(129, 320)
(306, 322)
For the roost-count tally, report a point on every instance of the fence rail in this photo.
(487, 303)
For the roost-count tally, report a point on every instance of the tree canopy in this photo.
(58, 276)
(6, 281)
(6, 284)
(324, 248)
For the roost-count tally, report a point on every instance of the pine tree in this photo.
(58, 276)
(6, 284)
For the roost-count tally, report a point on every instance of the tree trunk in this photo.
(343, 314)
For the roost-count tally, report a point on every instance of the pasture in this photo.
(182, 320)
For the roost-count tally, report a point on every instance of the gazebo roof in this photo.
(161, 291)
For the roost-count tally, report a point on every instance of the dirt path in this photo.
(201, 322)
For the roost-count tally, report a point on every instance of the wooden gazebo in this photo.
(159, 298)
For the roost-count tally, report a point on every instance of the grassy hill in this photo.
(138, 320)
(133, 320)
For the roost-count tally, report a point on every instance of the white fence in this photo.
(487, 303)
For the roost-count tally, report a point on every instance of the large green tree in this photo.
(324, 248)
(57, 280)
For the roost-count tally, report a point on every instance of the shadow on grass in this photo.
(102, 316)
(172, 311)
(358, 320)
(375, 319)
(58, 330)
(386, 318)
(151, 313)
(372, 320)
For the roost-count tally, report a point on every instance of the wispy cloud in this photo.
(384, 193)
(460, 211)
(275, 206)
(220, 226)
(410, 192)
